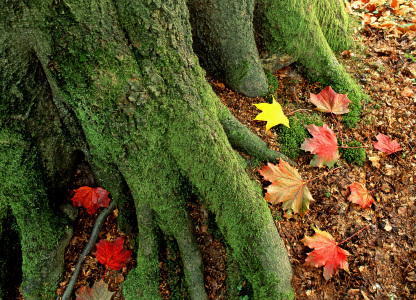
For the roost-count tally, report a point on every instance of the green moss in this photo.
(310, 34)
(239, 73)
(353, 155)
(21, 185)
(272, 82)
(291, 138)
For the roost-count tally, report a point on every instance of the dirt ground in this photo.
(382, 260)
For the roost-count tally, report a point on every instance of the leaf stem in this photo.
(338, 126)
(359, 231)
(346, 147)
(322, 175)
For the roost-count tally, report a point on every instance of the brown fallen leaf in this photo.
(407, 92)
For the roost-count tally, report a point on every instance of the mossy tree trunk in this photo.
(117, 83)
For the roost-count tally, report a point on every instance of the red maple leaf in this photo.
(91, 198)
(329, 101)
(99, 291)
(360, 195)
(112, 254)
(324, 144)
(385, 144)
(326, 253)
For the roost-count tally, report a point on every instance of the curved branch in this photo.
(242, 139)
(99, 222)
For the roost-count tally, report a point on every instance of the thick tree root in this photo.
(192, 261)
(143, 281)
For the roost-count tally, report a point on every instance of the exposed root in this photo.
(242, 139)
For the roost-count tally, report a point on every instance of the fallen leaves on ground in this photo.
(360, 195)
(272, 114)
(397, 17)
(112, 254)
(91, 198)
(385, 144)
(326, 253)
(99, 291)
(324, 145)
(330, 101)
(287, 187)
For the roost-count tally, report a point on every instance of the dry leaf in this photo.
(359, 195)
(326, 253)
(287, 187)
(324, 144)
(385, 144)
(407, 92)
(272, 114)
(330, 101)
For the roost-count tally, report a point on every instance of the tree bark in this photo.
(223, 39)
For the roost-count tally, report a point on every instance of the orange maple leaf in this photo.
(385, 144)
(330, 101)
(287, 187)
(326, 253)
(324, 144)
(360, 195)
(91, 198)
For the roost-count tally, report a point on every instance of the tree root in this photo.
(192, 262)
(242, 139)
(99, 222)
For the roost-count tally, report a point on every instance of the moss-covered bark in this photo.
(224, 41)
(310, 31)
(119, 81)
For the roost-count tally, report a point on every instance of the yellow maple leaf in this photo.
(272, 114)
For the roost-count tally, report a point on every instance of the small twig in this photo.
(322, 174)
(99, 222)
(359, 231)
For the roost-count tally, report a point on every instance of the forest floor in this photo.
(382, 260)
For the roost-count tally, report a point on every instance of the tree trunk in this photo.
(117, 83)
(224, 42)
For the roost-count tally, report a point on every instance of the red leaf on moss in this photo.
(324, 144)
(99, 291)
(360, 195)
(385, 144)
(112, 254)
(326, 253)
(91, 198)
(287, 187)
(330, 101)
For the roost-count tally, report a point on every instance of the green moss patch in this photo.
(291, 138)
(353, 155)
